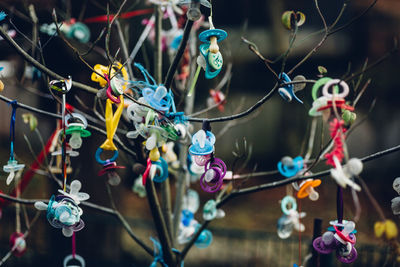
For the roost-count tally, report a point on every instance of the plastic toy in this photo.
(289, 167)
(341, 239)
(63, 210)
(76, 129)
(287, 92)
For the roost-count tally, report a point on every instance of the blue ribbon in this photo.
(158, 254)
(14, 105)
(146, 75)
(177, 117)
(3, 15)
(179, 253)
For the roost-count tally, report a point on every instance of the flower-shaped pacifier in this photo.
(212, 178)
(210, 211)
(62, 86)
(110, 165)
(12, 165)
(336, 99)
(63, 210)
(202, 146)
(75, 30)
(76, 127)
(159, 99)
(74, 258)
(343, 175)
(18, 244)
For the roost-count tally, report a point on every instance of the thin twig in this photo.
(41, 67)
(58, 116)
(159, 222)
(179, 54)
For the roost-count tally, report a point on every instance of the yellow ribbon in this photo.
(112, 121)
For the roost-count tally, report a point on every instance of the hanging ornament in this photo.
(12, 165)
(63, 210)
(340, 239)
(109, 165)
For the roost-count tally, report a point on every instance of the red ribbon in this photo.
(125, 15)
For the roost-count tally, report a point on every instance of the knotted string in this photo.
(14, 105)
(146, 75)
(158, 254)
(179, 254)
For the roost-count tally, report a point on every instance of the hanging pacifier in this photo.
(193, 13)
(114, 82)
(191, 201)
(212, 178)
(190, 205)
(289, 167)
(290, 219)
(159, 99)
(136, 112)
(210, 50)
(287, 92)
(170, 156)
(210, 211)
(110, 168)
(307, 189)
(337, 98)
(117, 67)
(18, 244)
(340, 240)
(138, 187)
(63, 210)
(62, 86)
(76, 127)
(343, 175)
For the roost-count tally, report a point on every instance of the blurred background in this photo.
(247, 235)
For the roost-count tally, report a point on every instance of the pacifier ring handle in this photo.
(99, 151)
(75, 115)
(332, 82)
(76, 257)
(109, 92)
